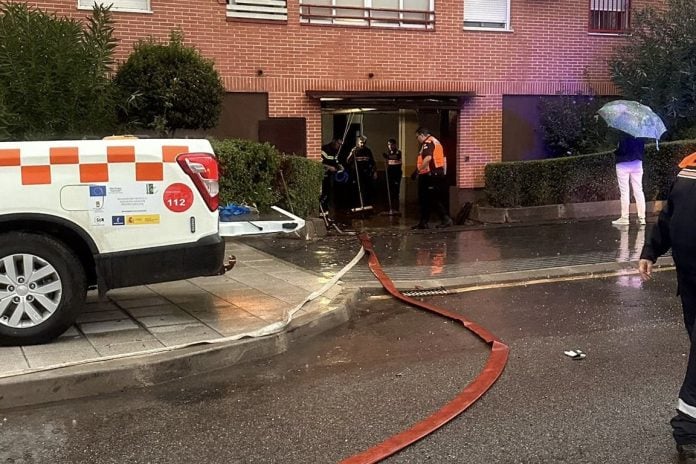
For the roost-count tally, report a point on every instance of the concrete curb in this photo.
(118, 375)
(507, 277)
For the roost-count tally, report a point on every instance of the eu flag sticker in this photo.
(118, 220)
(97, 190)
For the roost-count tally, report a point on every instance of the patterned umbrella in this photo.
(633, 118)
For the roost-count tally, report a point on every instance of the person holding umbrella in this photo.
(629, 174)
(636, 121)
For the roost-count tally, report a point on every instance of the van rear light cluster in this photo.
(202, 168)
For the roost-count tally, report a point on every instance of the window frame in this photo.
(506, 26)
(367, 20)
(624, 22)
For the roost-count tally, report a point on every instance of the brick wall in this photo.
(548, 51)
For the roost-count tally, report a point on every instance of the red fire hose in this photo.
(472, 392)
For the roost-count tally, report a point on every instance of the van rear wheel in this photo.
(42, 288)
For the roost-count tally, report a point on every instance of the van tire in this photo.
(73, 286)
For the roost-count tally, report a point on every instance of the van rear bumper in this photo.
(161, 264)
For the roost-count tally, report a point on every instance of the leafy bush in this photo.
(169, 86)
(301, 179)
(577, 179)
(570, 125)
(54, 79)
(255, 173)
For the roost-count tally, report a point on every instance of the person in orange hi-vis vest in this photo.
(430, 171)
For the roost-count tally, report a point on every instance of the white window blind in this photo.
(117, 5)
(486, 13)
(608, 5)
(379, 13)
(274, 10)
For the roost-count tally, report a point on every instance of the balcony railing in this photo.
(365, 16)
(610, 16)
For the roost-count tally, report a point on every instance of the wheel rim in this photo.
(30, 290)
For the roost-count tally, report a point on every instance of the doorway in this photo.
(401, 124)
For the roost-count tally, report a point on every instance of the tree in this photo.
(168, 86)
(54, 73)
(570, 125)
(657, 66)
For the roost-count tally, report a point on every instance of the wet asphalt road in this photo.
(347, 389)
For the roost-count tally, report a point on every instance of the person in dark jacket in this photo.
(329, 159)
(361, 162)
(392, 158)
(675, 229)
(629, 173)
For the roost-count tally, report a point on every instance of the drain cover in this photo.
(427, 292)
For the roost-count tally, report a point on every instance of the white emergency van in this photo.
(107, 213)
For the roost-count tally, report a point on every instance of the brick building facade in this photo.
(535, 48)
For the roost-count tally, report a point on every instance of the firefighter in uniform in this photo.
(675, 229)
(430, 171)
(329, 159)
(392, 158)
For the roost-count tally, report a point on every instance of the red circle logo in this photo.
(178, 198)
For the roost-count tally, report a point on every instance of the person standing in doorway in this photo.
(675, 229)
(392, 158)
(430, 171)
(363, 173)
(629, 173)
(329, 160)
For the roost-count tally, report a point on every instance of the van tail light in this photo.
(202, 168)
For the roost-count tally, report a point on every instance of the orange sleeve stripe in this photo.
(149, 171)
(10, 157)
(36, 175)
(94, 172)
(170, 152)
(124, 154)
(64, 155)
(688, 161)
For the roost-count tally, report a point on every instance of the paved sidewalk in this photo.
(256, 294)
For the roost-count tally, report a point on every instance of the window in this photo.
(273, 10)
(136, 6)
(487, 14)
(418, 14)
(610, 16)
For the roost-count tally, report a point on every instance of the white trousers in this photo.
(631, 173)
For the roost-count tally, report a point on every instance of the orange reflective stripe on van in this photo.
(89, 172)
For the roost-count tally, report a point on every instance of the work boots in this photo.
(687, 453)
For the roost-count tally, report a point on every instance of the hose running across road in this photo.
(473, 391)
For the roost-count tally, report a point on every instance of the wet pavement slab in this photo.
(467, 251)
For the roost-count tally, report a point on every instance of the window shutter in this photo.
(132, 5)
(486, 11)
(608, 5)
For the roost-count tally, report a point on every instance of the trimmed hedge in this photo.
(578, 179)
(253, 173)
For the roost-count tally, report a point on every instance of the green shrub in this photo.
(248, 172)
(570, 125)
(577, 179)
(54, 80)
(255, 173)
(303, 180)
(169, 86)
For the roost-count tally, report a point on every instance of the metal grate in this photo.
(427, 292)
